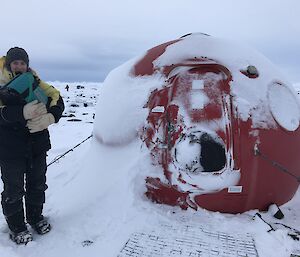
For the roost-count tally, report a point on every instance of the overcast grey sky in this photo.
(72, 40)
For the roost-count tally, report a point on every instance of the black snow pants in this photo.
(23, 176)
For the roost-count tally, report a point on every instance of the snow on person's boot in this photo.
(22, 237)
(42, 227)
(18, 230)
(36, 220)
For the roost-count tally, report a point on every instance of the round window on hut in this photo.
(282, 99)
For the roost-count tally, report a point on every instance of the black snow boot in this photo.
(42, 227)
(22, 237)
(36, 220)
(18, 230)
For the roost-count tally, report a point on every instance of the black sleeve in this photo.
(13, 113)
(57, 109)
(10, 113)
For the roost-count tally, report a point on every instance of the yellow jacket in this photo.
(50, 91)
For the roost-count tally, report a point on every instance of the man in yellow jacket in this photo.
(24, 142)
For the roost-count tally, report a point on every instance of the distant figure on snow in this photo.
(26, 111)
(67, 88)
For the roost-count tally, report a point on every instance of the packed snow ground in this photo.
(95, 199)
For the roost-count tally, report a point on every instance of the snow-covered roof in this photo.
(120, 107)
